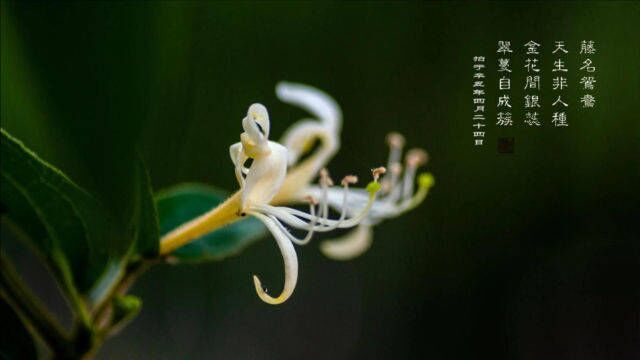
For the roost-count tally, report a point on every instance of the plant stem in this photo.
(132, 272)
(27, 304)
(87, 336)
(101, 319)
(74, 298)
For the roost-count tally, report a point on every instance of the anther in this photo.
(325, 179)
(349, 180)
(417, 157)
(395, 140)
(311, 200)
(377, 172)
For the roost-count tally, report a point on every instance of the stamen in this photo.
(325, 182)
(311, 200)
(296, 218)
(396, 143)
(425, 182)
(395, 139)
(325, 179)
(377, 172)
(396, 168)
(313, 222)
(389, 183)
(349, 179)
(414, 159)
(417, 157)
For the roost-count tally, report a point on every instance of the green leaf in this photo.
(146, 217)
(66, 224)
(184, 202)
(142, 230)
(15, 340)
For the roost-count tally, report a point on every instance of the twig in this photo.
(20, 297)
(132, 272)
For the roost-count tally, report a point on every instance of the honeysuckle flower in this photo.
(280, 174)
(397, 195)
(259, 184)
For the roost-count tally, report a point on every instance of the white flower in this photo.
(259, 184)
(262, 181)
(397, 195)
(278, 176)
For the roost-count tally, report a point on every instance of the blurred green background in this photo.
(530, 255)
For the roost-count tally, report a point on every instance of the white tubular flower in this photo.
(277, 176)
(397, 195)
(263, 180)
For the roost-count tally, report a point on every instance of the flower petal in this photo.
(265, 177)
(349, 246)
(290, 264)
(316, 102)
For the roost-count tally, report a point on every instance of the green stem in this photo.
(132, 272)
(101, 319)
(88, 340)
(74, 298)
(90, 329)
(27, 304)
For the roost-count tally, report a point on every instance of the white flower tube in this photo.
(260, 182)
(277, 176)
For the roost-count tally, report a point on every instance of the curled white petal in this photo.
(316, 102)
(238, 157)
(256, 123)
(326, 126)
(349, 246)
(258, 113)
(299, 139)
(289, 258)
